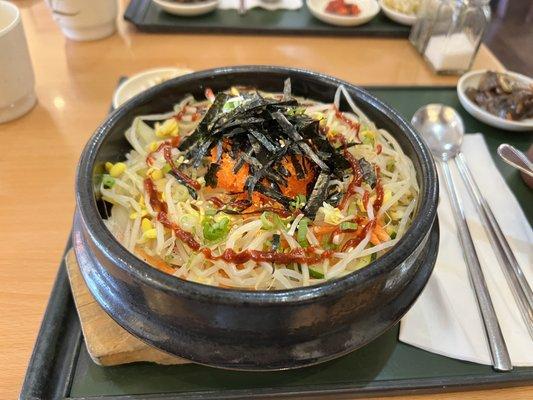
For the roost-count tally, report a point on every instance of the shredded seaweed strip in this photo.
(267, 135)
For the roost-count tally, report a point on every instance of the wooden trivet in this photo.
(107, 342)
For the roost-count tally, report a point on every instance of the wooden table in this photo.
(75, 81)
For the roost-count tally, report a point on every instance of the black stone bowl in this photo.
(252, 330)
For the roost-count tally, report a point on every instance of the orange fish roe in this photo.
(231, 182)
(228, 180)
(297, 186)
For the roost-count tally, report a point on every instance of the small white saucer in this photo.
(187, 9)
(471, 79)
(144, 80)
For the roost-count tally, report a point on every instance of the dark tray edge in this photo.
(51, 366)
(137, 9)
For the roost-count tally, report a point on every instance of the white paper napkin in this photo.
(267, 5)
(445, 319)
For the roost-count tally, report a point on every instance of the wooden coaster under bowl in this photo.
(106, 341)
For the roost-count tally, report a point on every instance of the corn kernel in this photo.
(234, 91)
(387, 196)
(117, 169)
(175, 132)
(146, 224)
(135, 214)
(167, 128)
(150, 234)
(153, 146)
(156, 174)
(108, 166)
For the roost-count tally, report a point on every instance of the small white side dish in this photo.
(187, 9)
(471, 79)
(396, 16)
(144, 80)
(369, 9)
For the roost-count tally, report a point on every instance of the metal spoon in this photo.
(515, 158)
(443, 132)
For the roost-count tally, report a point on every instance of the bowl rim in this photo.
(106, 243)
(461, 92)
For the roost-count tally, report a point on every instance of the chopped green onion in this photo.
(278, 222)
(166, 168)
(295, 111)
(361, 262)
(210, 212)
(393, 235)
(108, 181)
(266, 224)
(301, 236)
(188, 222)
(352, 208)
(298, 202)
(345, 226)
(271, 221)
(373, 257)
(232, 104)
(214, 230)
(329, 245)
(315, 274)
(367, 137)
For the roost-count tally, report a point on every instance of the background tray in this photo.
(148, 17)
(60, 367)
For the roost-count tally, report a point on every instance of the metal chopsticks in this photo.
(513, 273)
(498, 349)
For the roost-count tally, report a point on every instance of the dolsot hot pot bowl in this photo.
(237, 329)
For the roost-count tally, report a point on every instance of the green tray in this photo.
(61, 367)
(149, 17)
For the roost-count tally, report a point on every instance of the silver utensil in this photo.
(513, 272)
(444, 134)
(515, 158)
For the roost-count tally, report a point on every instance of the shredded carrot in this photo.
(155, 261)
(320, 230)
(381, 233)
(374, 239)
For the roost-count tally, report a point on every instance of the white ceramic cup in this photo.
(84, 20)
(17, 83)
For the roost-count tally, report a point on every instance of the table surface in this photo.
(74, 86)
